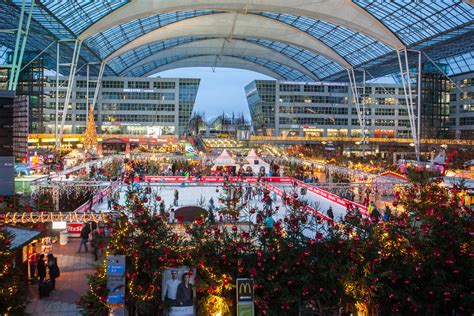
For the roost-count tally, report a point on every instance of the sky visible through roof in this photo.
(221, 90)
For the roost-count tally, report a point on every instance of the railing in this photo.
(355, 139)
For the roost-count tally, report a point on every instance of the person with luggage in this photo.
(86, 230)
(41, 269)
(52, 263)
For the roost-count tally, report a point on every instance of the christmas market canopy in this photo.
(256, 163)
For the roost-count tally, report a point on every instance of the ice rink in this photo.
(199, 194)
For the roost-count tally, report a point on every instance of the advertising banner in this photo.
(116, 284)
(178, 291)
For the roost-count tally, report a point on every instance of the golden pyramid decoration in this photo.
(90, 135)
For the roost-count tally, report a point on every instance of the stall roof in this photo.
(21, 236)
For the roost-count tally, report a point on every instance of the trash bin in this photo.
(63, 237)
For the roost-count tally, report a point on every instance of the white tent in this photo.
(256, 163)
(224, 161)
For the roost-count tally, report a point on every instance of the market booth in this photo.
(22, 242)
(256, 164)
(224, 163)
(74, 157)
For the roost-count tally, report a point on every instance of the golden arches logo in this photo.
(245, 288)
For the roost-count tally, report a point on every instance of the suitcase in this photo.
(45, 288)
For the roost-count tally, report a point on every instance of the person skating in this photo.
(176, 197)
(330, 213)
(375, 215)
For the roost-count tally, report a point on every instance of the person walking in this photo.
(176, 197)
(41, 269)
(86, 230)
(52, 263)
(95, 244)
(330, 213)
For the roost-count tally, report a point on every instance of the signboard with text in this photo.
(116, 284)
(245, 297)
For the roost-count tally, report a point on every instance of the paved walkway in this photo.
(70, 286)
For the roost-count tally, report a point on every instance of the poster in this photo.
(116, 284)
(179, 292)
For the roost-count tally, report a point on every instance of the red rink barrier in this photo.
(335, 198)
(74, 229)
(212, 179)
(279, 192)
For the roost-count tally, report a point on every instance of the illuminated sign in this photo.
(59, 225)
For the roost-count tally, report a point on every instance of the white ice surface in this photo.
(198, 194)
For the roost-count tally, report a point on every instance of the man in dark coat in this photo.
(86, 230)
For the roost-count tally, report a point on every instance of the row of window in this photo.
(339, 89)
(466, 121)
(313, 110)
(337, 100)
(120, 118)
(138, 96)
(340, 121)
(312, 99)
(138, 118)
(137, 107)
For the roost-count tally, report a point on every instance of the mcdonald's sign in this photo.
(244, 290)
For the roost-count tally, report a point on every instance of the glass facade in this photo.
(127, 105)
(284, 108)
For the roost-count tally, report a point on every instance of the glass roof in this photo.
(414, 21)
(284, 71)
(145, 69)
(356, 48)
(459, 64)
(105, 43)
(76, 16)
(443, 29)
(319, 65)
(128, 59)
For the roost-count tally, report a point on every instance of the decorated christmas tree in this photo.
(90, 136)
(12, 291)
(418, 262)
(150, 245)
(231, 199)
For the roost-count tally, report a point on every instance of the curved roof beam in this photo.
(223, 61)
(222, 46)
(235, 25)
(339, 12)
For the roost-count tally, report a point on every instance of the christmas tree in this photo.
(231, 199)
(12, 291)
(417, 262)
(150, 245)
(90, 136)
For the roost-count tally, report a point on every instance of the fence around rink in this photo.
(288, 180)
